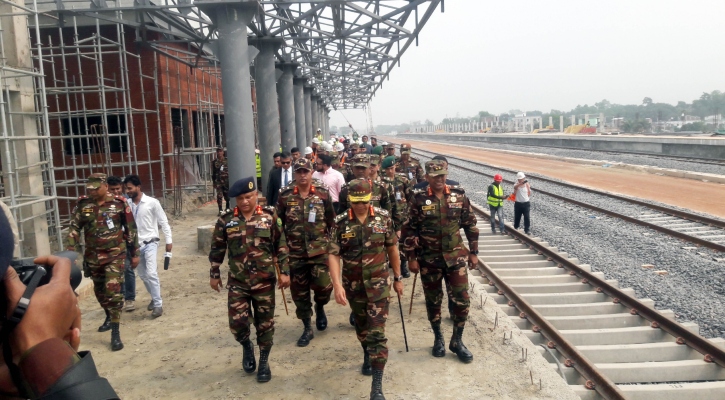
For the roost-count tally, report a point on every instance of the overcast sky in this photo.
(537, 55)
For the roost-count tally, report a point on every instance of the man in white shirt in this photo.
(330, 177)
(149, 216)
(522, 206)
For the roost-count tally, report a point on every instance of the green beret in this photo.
(377, 150)
(388, 162)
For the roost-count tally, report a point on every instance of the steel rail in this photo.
(667, 231)
(710, 352)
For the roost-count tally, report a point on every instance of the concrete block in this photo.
(203, 238)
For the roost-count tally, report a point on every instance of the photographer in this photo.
(42, 347)
(522, 206)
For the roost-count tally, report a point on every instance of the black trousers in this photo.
(522, 208)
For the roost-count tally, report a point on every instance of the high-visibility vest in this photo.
(259, 167)
(498, 191)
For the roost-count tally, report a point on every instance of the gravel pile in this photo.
(634, 159)
(693, 288)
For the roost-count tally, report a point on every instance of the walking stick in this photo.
(415, 278)
(284, 298)
(402, 319)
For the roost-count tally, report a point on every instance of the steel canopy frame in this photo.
(346, 48)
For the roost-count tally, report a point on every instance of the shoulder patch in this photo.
(381, 211)
(418, 190)
(457, 189)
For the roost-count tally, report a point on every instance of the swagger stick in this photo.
(402, 319)
(284, 298)
(415, 278)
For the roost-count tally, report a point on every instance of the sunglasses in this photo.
(286, 162)
(359, 202)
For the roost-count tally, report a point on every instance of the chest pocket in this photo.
(455, 209)
(294, 212)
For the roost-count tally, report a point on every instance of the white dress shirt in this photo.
(149, 216)
(289, 176)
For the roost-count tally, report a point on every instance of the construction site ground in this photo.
(189, 352)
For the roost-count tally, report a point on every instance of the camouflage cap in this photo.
(405, 148)
(359, 191)
(303, 163)
(390, 146)
(377, 150)
(354, 146)
(361, 160)
(96, 180)
(388, 162)
(375, 159)
(436, 167)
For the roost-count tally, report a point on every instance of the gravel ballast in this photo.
(693, 287)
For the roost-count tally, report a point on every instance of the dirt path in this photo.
(700, 196)
(189, 353)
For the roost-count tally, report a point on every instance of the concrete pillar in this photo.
(300, 127)
(327, 122)
(287, 118)
(573, 119)
(267, 104)
(308, 114)
(551, 120)
(231, 21)
(314, 102)
(561, 123)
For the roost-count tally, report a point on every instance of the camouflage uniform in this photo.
(432, 236)
(365, 276)
(381, 197)
(411, 168)
(110, 234)
(220, 177)
(253, 245)
(308, 242)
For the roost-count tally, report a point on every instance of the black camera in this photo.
(26, 268)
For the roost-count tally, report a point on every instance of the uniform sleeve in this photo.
(468, 223)
(213, 172)
(385, 200)
(409, 232)
(343, 199)
(335, 241)
(131, 232)
(74, 231)
(281, 208)
(420, 173)
(218, 249)
(329, 214)
(163, 222)
(397, 211)
(280, 246)
(391, 239)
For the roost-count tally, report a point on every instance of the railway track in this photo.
(696, 229)
(603, 341)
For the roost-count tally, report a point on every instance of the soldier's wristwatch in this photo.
(398, 278)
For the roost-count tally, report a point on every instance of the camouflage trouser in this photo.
(107, 283)
(257, 293)
(306, 275)
(456, 277)
(370, 313)
(222, 193)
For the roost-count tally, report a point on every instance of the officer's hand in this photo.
(215, 284)
(398, 287)
(340, 296)
(472, 261)
(283, 281)
(413, 266)
(135, 261)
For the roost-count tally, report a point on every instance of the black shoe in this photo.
(458, 347)
(352, 319)
(116, 343)
(264, 374)
(376, 390)
(439, 345)
(150, 307)
(404, 269)
(526, 232)
(249, 364)
(307, 334)
(367, 369)
(106, 324)
(320, 317)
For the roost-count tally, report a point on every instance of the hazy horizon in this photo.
(528, 55)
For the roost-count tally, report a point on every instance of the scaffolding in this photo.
(27, 183)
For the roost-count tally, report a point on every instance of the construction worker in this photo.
(495, 203)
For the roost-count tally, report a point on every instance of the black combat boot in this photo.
(458, 347)
(116, 343)
(264, 374)
(352, 318)
(376, 391)
(367, 369)
(249, 364)
(106, 324)
(307, 334)
(404, 269)
(320, 317)
(439, 345)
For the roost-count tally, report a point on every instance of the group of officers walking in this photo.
(318, 244)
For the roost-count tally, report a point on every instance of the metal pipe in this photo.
(300, 125)
(267, 105)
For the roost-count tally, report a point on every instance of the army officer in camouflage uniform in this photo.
(433, 243)
(110, 234)
(362, 237)
(254, 237)
(305, 208)
(220, 177)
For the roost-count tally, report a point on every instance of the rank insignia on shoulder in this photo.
(340, 217)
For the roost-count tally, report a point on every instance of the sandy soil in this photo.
(189, 353)
(686, 193)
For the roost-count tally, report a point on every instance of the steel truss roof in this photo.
(347, 48)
